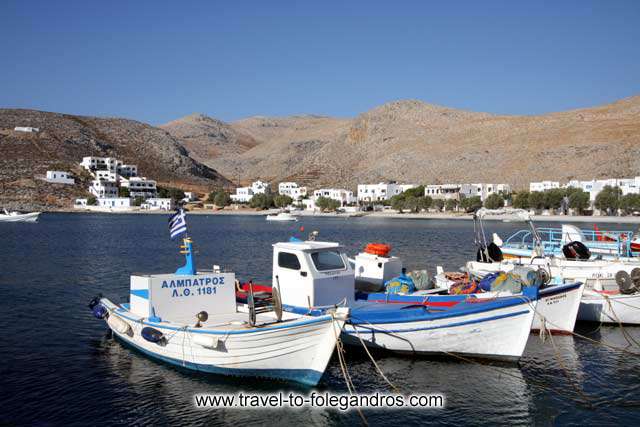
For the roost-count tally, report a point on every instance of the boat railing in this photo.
(618, 242)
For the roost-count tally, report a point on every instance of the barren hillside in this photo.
(64, 139)
(417, 142)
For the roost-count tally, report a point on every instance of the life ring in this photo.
(379, 249)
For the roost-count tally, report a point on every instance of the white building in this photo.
(243, 195)
(259, 187)
(345, 197)
(443, 191)
(189, 196)
(127, 171)
(140, 187)
(60, 177)
(543, 185)
(114, 202)
(292, 190)
(26, 129)
(483, 190)
(379, 192)
(595, 186)
(105, 175)
(102, 189)
(158, 204)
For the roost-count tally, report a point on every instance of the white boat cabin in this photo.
(312, 274)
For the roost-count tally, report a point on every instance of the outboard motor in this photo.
(492, 253)
(576, 250)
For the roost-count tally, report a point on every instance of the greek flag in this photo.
(177, 224)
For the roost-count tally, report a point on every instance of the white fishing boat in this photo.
(557, 309)
(7, 216)
(191, 319)
(282, 216)
(612, 287)
(310, 275)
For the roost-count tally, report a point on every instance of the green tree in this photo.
(424, 202)
(437, 204)
(578, 200)
(630, 203)
(327, 204)
(221, 199)
(397, 202)
(521, 200)
(261, 201)
(123, 192)
(451, 204)
(138, 201)
(494, 201)
(282, 200)
(608, 199)
(92, 201)
(172, 193)
(471, 204)
(536, 200)
(553, 198)
(416, 192)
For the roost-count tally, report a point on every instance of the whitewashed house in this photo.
(378, 192)
(345, 197)
(292, 190)
(103, 189)
(106, 175)
(483, 190)
(140, 187)
(443, 191)
(59, 177)
(114, 202)
(260, 187)
(543, 185)
(155, 204)
(243, 195)
(27, 129)
(127, 171)
(189, 196)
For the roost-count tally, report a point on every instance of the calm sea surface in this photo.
(59, 366)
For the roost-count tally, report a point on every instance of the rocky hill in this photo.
(416, 142)
(64, 139)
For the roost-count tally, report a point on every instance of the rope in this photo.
(384, 377)
(343, 366)
(630, 340)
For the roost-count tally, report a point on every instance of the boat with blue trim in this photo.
(311, 276)
(190, 319)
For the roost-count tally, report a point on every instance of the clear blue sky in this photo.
(155, 61)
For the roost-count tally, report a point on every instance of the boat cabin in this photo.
(312, 274)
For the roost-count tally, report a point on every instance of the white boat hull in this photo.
(618, 308)
(597, 275)
(29, 217)
(497, 334)
(297, 349)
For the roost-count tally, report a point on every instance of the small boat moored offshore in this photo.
(19, 217)
(282, 216)
(191, 319)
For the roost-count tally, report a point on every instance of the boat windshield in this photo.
(327, 260)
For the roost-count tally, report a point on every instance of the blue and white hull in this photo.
(489, 329)
(296, 349)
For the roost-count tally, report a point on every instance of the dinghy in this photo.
(18, 217)
(311, 276)
(190, 319)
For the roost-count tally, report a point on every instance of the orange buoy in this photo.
(379, 249)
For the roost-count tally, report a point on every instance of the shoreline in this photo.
(390, 215)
